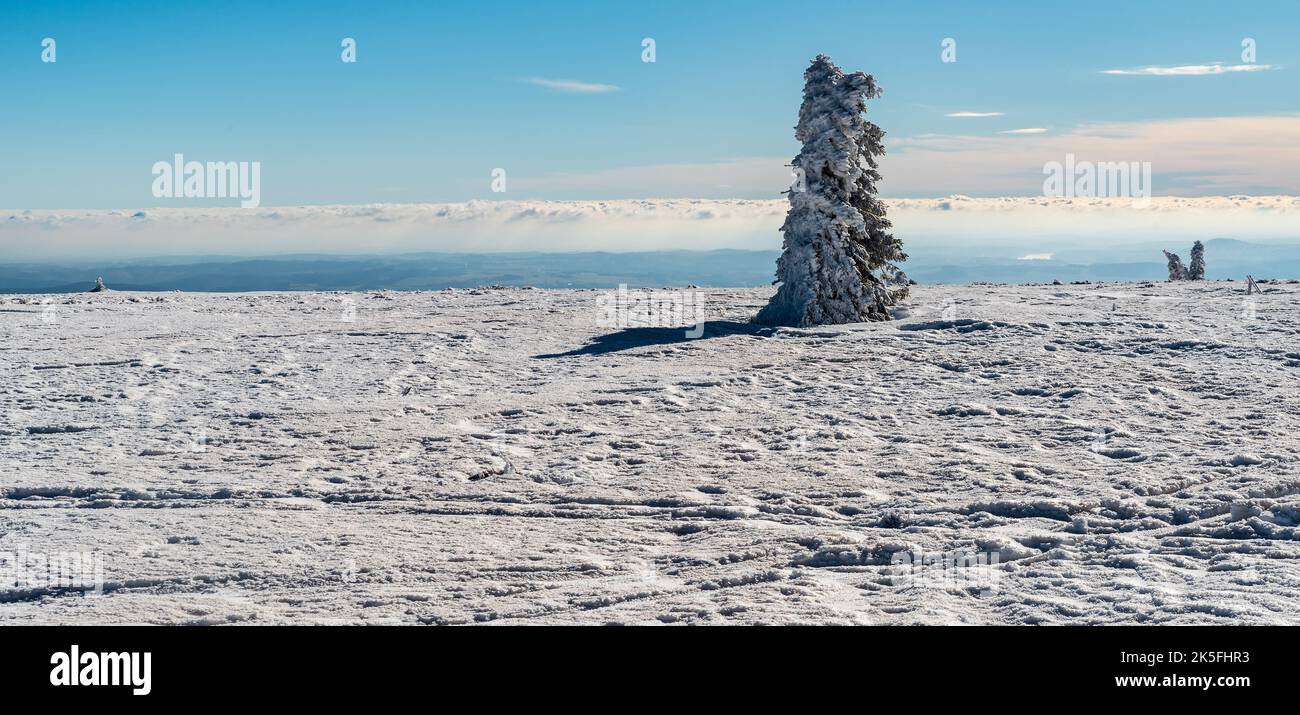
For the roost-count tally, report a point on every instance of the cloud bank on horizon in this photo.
(620, 225)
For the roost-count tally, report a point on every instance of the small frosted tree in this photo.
(1196, 270)
(839, 256)
(1176, 270)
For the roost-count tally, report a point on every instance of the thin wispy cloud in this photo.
(1026, 130)
(1190, 70)
(965, 115)
(573, 85)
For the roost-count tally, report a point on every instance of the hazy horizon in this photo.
(958, 225)
(1227, 259)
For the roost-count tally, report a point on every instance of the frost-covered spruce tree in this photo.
(1176, 270)
(838, 252)
(1196, 270)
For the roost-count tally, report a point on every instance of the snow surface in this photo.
(1127, 450)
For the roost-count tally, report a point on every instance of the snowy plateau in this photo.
(1123, 453)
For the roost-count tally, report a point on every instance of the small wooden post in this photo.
(1251, 287)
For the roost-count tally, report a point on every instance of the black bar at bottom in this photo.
(337, 664)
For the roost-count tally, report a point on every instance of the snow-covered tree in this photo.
(99, 286)
(1176, 270)
(839, 255)
(1196, 270)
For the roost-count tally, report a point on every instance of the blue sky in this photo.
(443, 92)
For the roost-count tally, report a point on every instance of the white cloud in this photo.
(1026, 130)
(1190, 70)
(573, 85)
(1036, 257)
(760, 176)
(974, 114)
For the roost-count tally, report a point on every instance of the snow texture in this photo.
(838, 254)
(1128, 451)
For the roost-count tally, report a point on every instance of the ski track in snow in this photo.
(1128, 450)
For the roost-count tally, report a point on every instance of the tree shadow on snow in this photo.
(630, 338)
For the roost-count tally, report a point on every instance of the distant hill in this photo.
(1226, 258)
(427, 271)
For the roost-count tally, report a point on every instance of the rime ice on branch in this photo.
(1176, 270)
(1196, 271)
(838, 254)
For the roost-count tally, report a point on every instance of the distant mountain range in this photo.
(1225, 258)
(423, 271)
